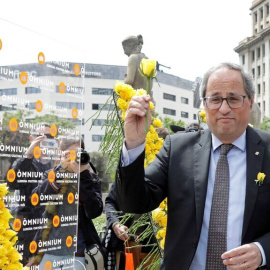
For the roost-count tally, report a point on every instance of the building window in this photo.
(263, 90)
(72, 89)
(98, 122)
(184, 114)
(267, 9)
(258, 53)
(8, 92)
(169, 96)
(194, 116)
(263, 68)
(255, 17)
(70, 105)
(253, 72)
(107, 107)
(258, 89)
(253, 55)
(169, 111)
(259, 71)
(10, 107)
(263, 106)
(263, 50)
(261, 13)
(32, 90)
(31, 106)
(243, 59)
(184, 100)
(259, 104)
(102, 91)
(97, 138)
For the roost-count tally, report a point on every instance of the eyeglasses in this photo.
(234, 102)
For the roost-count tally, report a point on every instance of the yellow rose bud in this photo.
(162, 243)
(261, 176)
(202, 113)
(163, 221)
(157, 123)
(148, 68)
(157, 214)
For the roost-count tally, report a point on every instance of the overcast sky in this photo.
(189, 36)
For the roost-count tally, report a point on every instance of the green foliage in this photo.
(265, 125)
(167, 121)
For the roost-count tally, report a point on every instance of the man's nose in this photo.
(224, 108)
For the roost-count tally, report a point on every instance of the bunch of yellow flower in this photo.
(9, 255)
(202, 116)
(159, 215)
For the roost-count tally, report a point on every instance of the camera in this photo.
(82, 157)
(49, 143)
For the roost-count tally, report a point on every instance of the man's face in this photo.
(225, 123)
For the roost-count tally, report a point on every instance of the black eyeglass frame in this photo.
(205, 99)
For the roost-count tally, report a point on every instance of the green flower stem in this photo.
(147, 114)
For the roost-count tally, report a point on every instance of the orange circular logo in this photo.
(41, 58)
(56, 221)
(39, 106)
(69, 241)
(48, 266)
(76, 69)
(33, 247)
(74, 113)
(34, 199)
(1, 44)
(72, 154)
(70, 198)
(37, 152)
(62, 88)
(11, 175)
(17, 224)
(53, 130)
(13, 124)
(51, 176)
(23, 77)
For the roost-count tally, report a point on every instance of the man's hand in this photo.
(135, 121)
(120, 231)
(244, 257)
(30, 151)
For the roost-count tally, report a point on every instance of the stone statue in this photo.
(255, 116)
(132, 46)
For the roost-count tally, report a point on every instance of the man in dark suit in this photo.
(184, 171)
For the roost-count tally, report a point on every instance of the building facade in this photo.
(174, 96)
(254, 54)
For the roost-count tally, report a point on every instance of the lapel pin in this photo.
(257, 153)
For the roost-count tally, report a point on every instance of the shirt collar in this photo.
(240, 142)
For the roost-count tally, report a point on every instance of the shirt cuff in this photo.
(262, 253)
(128, 156)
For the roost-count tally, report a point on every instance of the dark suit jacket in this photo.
(180, 172)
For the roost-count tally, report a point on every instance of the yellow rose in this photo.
(148, 68)
(204, 119)
(141, 92)
(261, 176)
(163, 221)
(151, 105)
(162, 243)
(202, 113)
(161, 233)
(158, 214)
(3, 190)
(122, 104)
(157, 123)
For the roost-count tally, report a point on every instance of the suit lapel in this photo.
(202, 153)
(254, 166)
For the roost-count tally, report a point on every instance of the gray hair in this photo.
(247, 78)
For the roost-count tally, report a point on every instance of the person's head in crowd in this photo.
(40, 129)
(162, 132)
(193, 127)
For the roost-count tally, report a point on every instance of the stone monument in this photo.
(132, 46)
